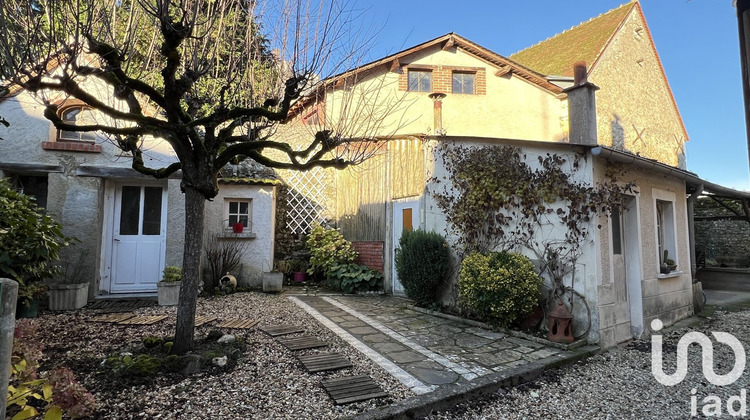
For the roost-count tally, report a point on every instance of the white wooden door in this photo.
(405, 217)
(139, 237)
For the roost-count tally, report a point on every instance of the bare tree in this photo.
(213, 78)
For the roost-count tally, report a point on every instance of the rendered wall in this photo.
(587, 266)
(668, 298)
(259, 254)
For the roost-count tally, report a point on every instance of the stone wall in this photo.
(721, 243)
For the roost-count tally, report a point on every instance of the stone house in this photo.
(130, 226)
(450, 89)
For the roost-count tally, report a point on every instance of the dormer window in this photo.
(76, 115)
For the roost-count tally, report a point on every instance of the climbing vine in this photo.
(492, 198)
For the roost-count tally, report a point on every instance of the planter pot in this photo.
(31, 311)
(272, 282)
(169, 292)
(66, 297)
(300, 276)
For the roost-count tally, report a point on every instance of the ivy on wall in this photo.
(493, 198)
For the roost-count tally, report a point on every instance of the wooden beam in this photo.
(503, 71)
(717, 218)
(726, 207)
(449, 44)
(395, 65)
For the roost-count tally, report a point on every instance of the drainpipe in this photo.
(582, 107)
(691, 230)
(743, 22)
(437, 100)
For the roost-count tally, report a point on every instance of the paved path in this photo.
(423, 351)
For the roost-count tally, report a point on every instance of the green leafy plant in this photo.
(54, 394)
(171, 274)
(498, 287)
(422, 262)
(30, 241)
(31, 291)
(328, 248)
(349, 278)
(508, 206)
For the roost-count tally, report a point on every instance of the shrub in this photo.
(349, 278)
(499, 287)
(30, 241)
(171, 274)
(222, 257)
(328, 248)
(422, 262)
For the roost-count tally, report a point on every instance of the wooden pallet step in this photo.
(112, 318)
(202, 320)
(302, 343)
(244, 324)
(278, 330)
(143, 320)
(324, 361)
(351, 389)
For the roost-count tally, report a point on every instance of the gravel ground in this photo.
(268, 383)
(619, 384)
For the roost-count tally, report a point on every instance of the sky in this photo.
(697, 41)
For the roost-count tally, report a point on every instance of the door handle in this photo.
(117, 240)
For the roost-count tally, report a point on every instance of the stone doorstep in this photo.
(518, 334)
(448, 396)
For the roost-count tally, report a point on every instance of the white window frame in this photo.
(84, 116)
(248, 217)
(665, 225)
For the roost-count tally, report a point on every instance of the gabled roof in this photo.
(449, 40)
(585, 42)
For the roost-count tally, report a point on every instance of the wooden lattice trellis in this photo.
(305, 198)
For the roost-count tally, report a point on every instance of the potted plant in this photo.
(169, 286)
(299, 270)
(29, 294)
(69, 291)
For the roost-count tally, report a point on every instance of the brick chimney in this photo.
(582, 107)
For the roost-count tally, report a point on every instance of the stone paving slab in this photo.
(429, 350)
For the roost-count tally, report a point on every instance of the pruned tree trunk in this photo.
(194, 204)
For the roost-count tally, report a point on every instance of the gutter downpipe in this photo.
(691, 231)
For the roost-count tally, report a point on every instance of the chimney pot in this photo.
(580, 75)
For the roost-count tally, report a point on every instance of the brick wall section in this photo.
(72, 146)
(442, 78)
(370, 254)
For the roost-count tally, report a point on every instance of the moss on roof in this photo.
(251, 181)
(584, 42)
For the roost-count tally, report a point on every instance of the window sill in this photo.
(670, 275)
(243, 235)
(72, 146)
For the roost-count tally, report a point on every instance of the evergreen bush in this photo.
(422, 262)
(498, 287)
